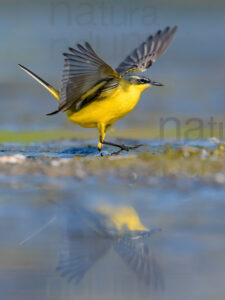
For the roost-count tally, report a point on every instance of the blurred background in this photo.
(35, 33)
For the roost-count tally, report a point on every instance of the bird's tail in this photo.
(51, 89)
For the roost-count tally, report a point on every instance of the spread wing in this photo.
(137, 255)
(85, 74)
(148, 52)
(79, 253)
(84, 242)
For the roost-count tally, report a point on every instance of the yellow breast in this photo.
(109, 106)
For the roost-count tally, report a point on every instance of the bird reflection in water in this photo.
(91, 233)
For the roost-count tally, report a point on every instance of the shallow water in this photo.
(109, 237)
(73, 148)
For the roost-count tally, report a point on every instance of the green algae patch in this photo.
(37, 136)
(147, 132)
(172, 163)
(52, 135)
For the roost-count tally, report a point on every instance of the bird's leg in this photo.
(102, 129)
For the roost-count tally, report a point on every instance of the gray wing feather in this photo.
(149, 51)
(83, 70)
(84, 241)
(79, 254)
(137, 255)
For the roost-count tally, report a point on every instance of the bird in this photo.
(95, 95)
(88, 234)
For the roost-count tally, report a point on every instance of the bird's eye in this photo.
(143, 80)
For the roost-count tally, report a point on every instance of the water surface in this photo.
(109, 237)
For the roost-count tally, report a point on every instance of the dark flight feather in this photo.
(83, 71)
(148, 52)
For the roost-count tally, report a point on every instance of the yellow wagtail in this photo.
(94, 95)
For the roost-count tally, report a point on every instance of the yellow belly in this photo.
(109, 107)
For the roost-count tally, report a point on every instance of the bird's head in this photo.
(143, 81)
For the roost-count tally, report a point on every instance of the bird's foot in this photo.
(125, 148)
(100, 152)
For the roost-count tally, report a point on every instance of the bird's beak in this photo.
(156, 83)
